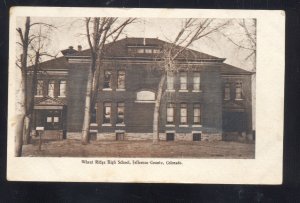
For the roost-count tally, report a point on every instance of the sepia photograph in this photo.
(114, 88)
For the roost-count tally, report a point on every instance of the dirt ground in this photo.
(203, 149)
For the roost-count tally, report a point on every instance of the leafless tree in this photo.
(99, 31)
(32, 44)
(192, 30)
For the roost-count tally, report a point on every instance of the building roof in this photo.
(229, 69)
(119, 49)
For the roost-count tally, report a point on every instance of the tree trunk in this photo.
(87, 109)
(19, 134)
(27, 129)
(156, 114)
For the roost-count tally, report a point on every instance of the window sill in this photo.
(238, 99)
(183, 126)
(226, 99)
(61, 96)
(93, 131)
(121, 125)
(93, 124)
(195, 126)
(107, 124)
(120, 90)
(38, 96)
(107, 89)
(170, 90)
(183, 91)
(196, 91)
(140, 101)
(170, 125)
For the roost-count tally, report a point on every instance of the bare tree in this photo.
(28, 42)
(244, 38)
(191, 31)
(99, 31)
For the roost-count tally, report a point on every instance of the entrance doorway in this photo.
(53, 120)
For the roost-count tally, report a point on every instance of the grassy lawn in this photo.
(203, 149)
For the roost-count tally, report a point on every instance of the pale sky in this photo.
(70, 32)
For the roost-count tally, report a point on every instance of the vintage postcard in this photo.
(146, 95)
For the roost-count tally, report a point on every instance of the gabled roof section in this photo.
(120, 49)
(59, 63)
(227, 69)
(50, 101)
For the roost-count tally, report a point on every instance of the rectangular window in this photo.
(183, 113)
(39, 88)
(121, 79)
(49, 119)
(62, 88)
(170, 113)
(55, 119)
(156, 51)
(227, 92)
(197, 114)
(196, 81)
(170, 137)
(51, 88)
(183, 80)
(196, 136)
(120, 113)
(94, 115)
(238, 91)
(107, 79)
(106, 112)
(148, 51)
(140, 50)
(170, 81)
(120, 136)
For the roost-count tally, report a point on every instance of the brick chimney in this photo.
(79, 48)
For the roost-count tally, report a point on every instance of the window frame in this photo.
(238, 86)
(52, 89)
(60, 89)
(120, 116)
(183, 106)
(182, 75)
(196, 106)
(172, 106)
(105, 115)
(198, 84)
(108, 82)
(118, 79)
(39, 90)
(227, 91)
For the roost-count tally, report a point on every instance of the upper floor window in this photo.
(144, 49)
(62, 88)
(39, 88)
(170, 113)
(183, 113)
(120, 113)
(238, 91)
(196, 81)
(227, 92)
(121, 79)
(51, 88)
(170, 81)
(107, 79)
(183, 80)
(107, 113)
(196, 114)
